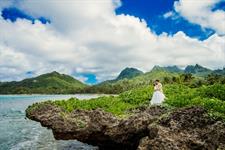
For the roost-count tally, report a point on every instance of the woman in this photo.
(158, 96)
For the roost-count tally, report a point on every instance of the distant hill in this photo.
(129, 73)
(117, 86)
(50, 83)
(197, 70)
(219, 71)
(173, 69)
(129, 78)
(164, 74)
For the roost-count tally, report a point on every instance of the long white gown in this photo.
(158, 96)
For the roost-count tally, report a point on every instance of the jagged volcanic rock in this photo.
(186, 129)
(151, 128)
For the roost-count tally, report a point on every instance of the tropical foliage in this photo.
(211, 97)
(128, 79)
(51, 83)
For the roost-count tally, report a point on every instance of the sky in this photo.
(94, 40)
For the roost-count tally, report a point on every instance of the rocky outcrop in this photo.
(147, 128)
(186, 129)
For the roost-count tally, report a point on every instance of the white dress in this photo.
(158, 96)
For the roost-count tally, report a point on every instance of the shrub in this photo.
(137, 96)
(178, 95)
(213, 91)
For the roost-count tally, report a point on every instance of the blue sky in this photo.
(184, 24)
(13, 13)
(151, 11)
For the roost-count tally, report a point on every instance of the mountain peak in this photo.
(157, 67)
(219, 71)
(54, 73)
(48, 83)
(173, 68)
(129, 73)
(196, 69)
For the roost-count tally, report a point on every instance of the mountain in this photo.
(167, 74)
(129, 78)
(173, 69)
(129, 73)
(219, 71)
(197, 70)
(124, 84)
(50, 83)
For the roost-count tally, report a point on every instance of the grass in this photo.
(210, 97)
(111, 104)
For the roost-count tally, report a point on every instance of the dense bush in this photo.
(213, 91)
(108, 103)
(137, 96)
(177, 95)
(210, 97)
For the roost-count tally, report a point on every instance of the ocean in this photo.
(19, 133)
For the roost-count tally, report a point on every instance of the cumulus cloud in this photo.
(201, 12)
(88, 37)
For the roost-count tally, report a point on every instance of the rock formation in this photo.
(148, 128)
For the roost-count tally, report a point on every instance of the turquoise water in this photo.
(18, 133)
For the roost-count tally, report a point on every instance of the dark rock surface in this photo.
(153, 128)
(186, 129)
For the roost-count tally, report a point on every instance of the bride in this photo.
(158, 96)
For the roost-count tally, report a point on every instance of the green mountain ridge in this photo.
(165, 74)
(129, 78)
(129, 73)
(219, 71)
(117, 86)
(197, 70)
(50, 83)
(173, 69)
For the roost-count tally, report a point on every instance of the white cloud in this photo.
(200, 12)
(88, 37)
(172, 15)
(168, 14)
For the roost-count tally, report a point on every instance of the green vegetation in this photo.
(197, 70)
(123, 85)
(219, 71)
(128, 79)
(110, 104)
(211, 97)
(192, 76)
(129, 73)
(50, 83)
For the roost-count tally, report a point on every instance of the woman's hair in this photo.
(155, 83)
(157, 80)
